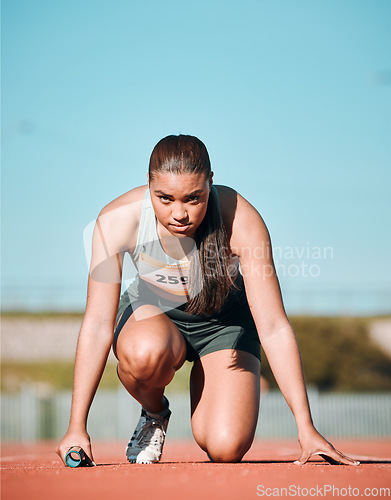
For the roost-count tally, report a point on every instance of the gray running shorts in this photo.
(231, 328)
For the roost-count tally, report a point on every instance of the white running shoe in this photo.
(146, 444)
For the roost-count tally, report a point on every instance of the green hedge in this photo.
(338, 355)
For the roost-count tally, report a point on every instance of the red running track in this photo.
(33, 471)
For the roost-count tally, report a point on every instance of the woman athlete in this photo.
(191, 301)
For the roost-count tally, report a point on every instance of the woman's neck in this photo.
(176, 248)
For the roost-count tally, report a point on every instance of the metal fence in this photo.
(32, 416)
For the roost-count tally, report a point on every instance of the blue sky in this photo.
(292, 99)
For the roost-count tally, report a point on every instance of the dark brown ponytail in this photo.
(209, 270)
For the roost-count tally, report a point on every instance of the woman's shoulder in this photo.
(127, 205)
(130, 201)
(225, 191)
(232, 203)
(238, 214)
(119, 219)
(228, 199)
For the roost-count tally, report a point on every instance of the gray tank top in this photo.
(161, 279)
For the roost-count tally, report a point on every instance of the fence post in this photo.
(28, 413)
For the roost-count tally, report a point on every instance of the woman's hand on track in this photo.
(75, 438)
(313, 443)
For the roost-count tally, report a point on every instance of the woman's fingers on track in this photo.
(313, 443)
(331, 455)
(338, 458)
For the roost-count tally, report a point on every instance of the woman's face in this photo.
(180, 201)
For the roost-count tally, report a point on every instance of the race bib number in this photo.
(172, 278)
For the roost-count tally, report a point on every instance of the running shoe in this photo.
(146, 444)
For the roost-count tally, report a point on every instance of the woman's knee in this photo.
(150, 348)
(144, 359)
(223, 445)
(227, 450)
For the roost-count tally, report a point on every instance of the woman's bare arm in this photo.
(251, 242)
(115, 228)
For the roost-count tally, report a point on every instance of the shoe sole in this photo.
(135, 461)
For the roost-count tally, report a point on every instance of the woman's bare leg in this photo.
(150, 349)
(225, 403)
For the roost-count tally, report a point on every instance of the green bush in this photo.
(338, 355)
